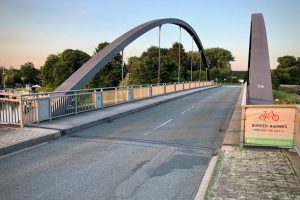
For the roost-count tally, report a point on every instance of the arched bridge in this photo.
(88, 70)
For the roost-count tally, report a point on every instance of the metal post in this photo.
(3, 75)
(37, 112)
(21, 112)
(123, 65)
(206, 73)
(200, 67)
(179, 54)
(76, 103)
(149, 90)
(158, 78)
(192, 60)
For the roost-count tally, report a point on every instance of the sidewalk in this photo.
(14, 138)
(253, 173)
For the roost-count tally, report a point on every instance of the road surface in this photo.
(158, 153)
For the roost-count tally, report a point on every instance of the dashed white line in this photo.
(157, 127)
(187, 110)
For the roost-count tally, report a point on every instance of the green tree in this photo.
(29, 73)
(287, 71)
(58, 68)
(111, 74)
(219, 60)
(47, 71)
(12, 77)
(173, 56)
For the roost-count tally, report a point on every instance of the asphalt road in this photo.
(158, 153)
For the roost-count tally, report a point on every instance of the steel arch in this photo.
(89, 69)
(259, 73)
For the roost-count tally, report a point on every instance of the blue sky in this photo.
(33, 29)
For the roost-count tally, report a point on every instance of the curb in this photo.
(214, 160)
(206, 178)
(106, 119)
(29, 143)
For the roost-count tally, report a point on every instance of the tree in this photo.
(12, 77)
(287, 71)
(58, 68)
(47, 71)
(173, 55)
(219, 59)
(29, 73)
(111, 74)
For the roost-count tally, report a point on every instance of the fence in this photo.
(270, 125)
(24, 109)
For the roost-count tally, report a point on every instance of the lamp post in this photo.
(3, 75)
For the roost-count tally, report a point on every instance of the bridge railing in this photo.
(28, 109)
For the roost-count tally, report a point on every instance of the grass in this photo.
(283, 96)
(211, 193)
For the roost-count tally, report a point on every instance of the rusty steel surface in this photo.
(88, 70)
(259, 73)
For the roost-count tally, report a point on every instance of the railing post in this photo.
(98, 99)
(49, 108)
(76, 103)
(165, 88)
(37, 109)
(150, 90)
(21, 112)
(129, 94)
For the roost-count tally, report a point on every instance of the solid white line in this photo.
(187, 110)
(157, 127)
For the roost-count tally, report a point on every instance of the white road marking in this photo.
(187, 110)
(157, 127)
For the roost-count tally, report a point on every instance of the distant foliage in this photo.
(287, 71)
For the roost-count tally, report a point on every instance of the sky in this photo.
(33, 29)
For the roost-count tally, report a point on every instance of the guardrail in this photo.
(270, 125)
(28, 109)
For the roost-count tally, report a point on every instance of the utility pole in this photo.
(3, 75)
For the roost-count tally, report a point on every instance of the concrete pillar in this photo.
(165, 88)
(174, 87)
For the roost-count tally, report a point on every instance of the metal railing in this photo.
(26, 109)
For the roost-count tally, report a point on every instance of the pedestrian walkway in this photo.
(13, 138)
(254, 174)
